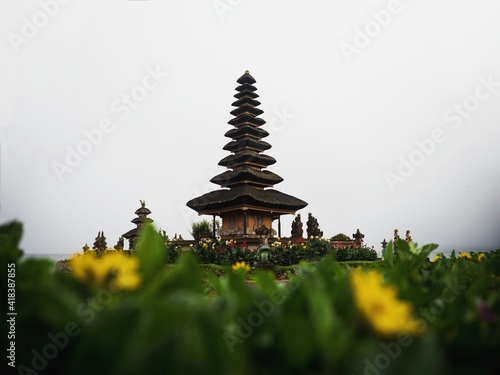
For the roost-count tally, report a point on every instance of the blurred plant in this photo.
(180, 319)
(241, 266)
(115, 269)
(464, 255)
(380, 306)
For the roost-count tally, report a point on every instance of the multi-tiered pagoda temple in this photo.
(246, 203)
(142, 218)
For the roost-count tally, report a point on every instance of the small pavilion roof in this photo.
(133, 233)
(141, 220)
(142, 211)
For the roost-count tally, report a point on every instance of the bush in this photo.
(341, 237)
(201, 229)
(223, 252)
(228, 252)
(287, 254)
(353, 252)
(173, 252)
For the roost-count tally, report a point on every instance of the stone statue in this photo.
(100, 243)
(358, 236)
(313, 227)
(408, 236)
(396, 236)
(297, 231)
(120, 244)
(384, 244)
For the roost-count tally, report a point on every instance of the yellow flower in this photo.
(119, 269)
(480, 257)
(436, 258)
(89, 268)
(128, 281)
(205, 245)
(126, 271)
(241, 265)
(380, 306)
(465, 256)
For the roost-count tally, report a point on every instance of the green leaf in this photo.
(266, 281)
(215, 282)
(186, 274)
(388, 254)
(427, 249)
(151, 252)
(402, 246)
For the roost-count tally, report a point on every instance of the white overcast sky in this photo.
(339, 129)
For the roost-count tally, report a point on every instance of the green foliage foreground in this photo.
(328, 319)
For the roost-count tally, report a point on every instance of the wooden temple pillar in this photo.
(213, 226)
